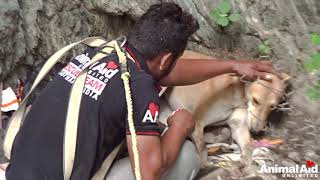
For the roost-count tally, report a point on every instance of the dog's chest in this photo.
(216, 112)
(207, 103)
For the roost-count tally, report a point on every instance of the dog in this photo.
(226, 99)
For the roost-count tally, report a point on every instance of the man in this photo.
(156, 42)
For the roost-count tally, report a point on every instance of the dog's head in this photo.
(261, 97)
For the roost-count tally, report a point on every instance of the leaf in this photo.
(223, 21)
(264, 49)
(315, 39)
(223, 15)
(224, 7)
(215, 14)
(313, 63)
(234, 17)
(314, 92)
(218, 18)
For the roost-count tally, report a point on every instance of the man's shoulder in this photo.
(144, 84)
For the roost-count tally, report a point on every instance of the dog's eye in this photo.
(255, 101)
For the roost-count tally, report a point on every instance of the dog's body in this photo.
(220, 100)
(226, 99)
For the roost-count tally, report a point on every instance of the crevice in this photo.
(20, 3)
(203, 16)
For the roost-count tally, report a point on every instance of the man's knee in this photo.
(121, 169)
(187, 164)
(189, 155)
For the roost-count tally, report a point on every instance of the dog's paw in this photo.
(246, 152)
(208, 165)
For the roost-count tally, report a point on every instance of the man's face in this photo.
(168, 68)
(162, 65)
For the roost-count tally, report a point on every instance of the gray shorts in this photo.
(186, 166)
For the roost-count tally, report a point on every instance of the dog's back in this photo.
(210, 101)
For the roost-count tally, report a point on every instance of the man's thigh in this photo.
(186, 166)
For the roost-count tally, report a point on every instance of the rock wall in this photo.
(31, 30)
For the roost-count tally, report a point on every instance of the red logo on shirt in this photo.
(112, 65)
(152, 113)
(153, 107)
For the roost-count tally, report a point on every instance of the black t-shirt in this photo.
(37, 152)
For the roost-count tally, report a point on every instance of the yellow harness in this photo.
(125, 76)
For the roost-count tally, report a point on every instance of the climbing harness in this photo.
(72, 117)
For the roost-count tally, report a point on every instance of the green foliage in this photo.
(264, 48)
(314, 92)
(222, 14)
(234, 17)
(315, 39)
(313, 65)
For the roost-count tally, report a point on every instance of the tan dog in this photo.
(226, 100)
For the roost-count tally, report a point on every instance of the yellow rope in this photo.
(125, 76)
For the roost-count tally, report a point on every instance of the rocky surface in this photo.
(31, 30)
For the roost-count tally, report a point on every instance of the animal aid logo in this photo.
(152, 113)
(308, 170)
(98, 75)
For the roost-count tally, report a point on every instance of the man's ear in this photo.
(164, 61)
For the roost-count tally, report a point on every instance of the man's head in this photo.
(161, 36)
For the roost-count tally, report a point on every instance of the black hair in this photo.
(162, 28)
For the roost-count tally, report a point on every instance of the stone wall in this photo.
(31, 30)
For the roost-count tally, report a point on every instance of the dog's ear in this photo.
(285, 77)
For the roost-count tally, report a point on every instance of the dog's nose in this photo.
(257, 134)
(254, 132)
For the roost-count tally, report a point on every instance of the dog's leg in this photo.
(198, 138)
(240, 130)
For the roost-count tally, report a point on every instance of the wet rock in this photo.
(294, 156)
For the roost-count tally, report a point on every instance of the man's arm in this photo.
(193, 68)
(157, 154)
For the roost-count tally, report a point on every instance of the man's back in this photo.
(38, 148)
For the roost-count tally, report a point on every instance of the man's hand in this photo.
(194, 67)
(158, 154)
(252, 70)
(182, 119)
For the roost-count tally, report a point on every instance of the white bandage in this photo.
(177, 110)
